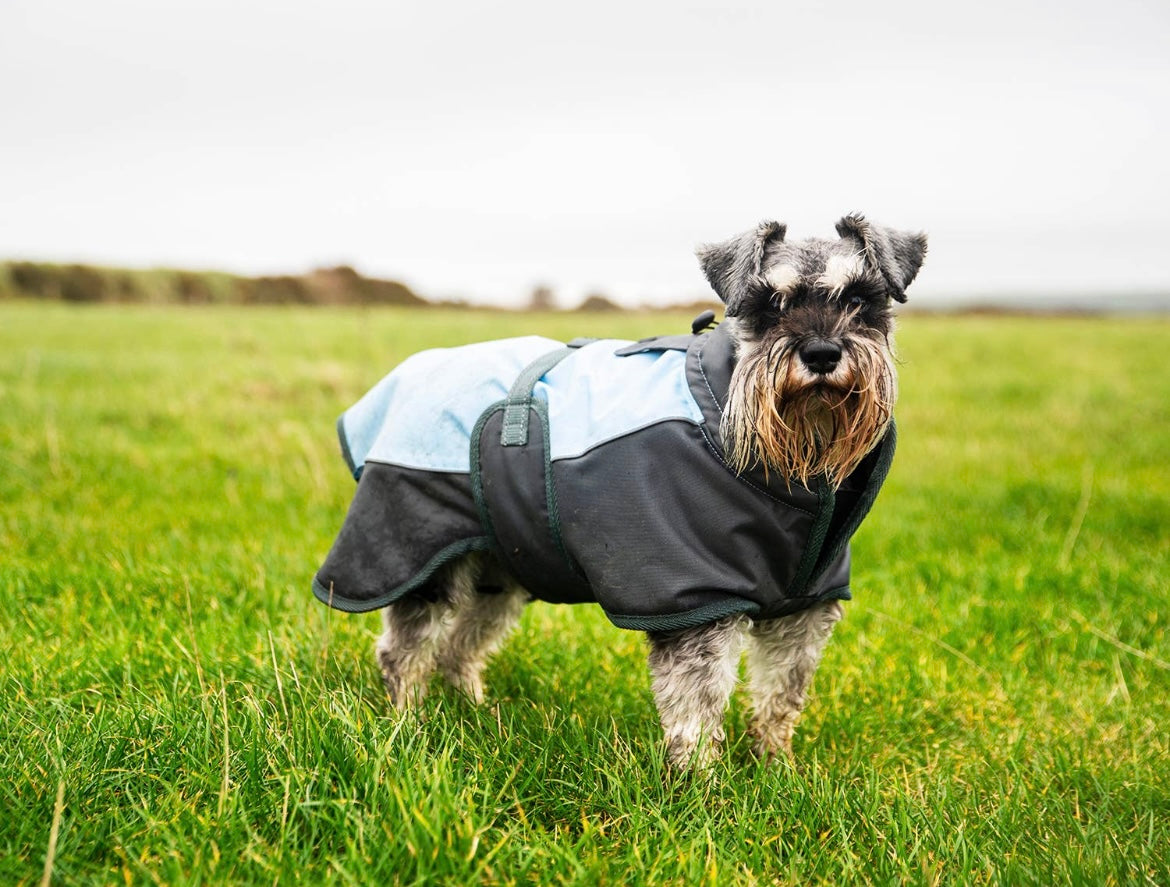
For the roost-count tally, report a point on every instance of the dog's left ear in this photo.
(895, 255)
(735, 266)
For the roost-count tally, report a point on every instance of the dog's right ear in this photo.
(735, 266)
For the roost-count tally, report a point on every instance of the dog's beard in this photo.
(781, 416)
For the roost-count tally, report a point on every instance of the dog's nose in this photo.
(820, 355)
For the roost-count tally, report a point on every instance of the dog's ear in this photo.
(734, 266)
(895, 255)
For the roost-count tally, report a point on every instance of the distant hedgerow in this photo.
(90, 283)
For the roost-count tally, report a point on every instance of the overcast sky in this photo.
(476, 149)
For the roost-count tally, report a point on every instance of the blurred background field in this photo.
(993, 709)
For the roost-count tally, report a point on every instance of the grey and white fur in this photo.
(812, 393)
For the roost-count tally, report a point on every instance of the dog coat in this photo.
(595, 472)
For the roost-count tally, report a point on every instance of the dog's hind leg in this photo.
(693, 673)
(783, 655)
(416, 627)
(482, 623)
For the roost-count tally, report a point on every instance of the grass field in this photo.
(178, 709)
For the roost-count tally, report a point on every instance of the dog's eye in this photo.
(857, 296)
(782, 300)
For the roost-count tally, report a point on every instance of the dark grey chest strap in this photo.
(515, 430)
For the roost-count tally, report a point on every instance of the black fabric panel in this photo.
(848, 495)
(710, 363)
(516, 496)
(402, 525)
(835, 576)
(660, 526)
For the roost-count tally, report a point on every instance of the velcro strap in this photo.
(656, 343)
(519, 400)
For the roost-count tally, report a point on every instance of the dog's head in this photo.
(814, 385)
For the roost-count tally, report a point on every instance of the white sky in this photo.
(476, 149)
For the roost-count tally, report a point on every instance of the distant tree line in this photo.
(544, 299)
(88, 283)
(341, 285)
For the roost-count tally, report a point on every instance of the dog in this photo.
(702, 488)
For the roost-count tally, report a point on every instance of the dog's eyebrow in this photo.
(840, 271)
(782, 278)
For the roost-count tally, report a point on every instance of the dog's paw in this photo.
(772, 737)
(404, 695)
(693, 754)
(774, 754)
(470, 685)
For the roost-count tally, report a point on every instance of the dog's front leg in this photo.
(783, 655)
(694, 671)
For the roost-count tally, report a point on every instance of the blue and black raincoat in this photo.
(595, 472)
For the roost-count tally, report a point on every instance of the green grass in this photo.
(993, 709)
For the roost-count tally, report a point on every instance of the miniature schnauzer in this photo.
(719, 518)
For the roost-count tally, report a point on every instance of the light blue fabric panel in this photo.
(594, 396)
(421, 414)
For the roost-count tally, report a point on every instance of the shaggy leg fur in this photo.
(482, 623)
(783, 655)
(694, 672)
(417, 626)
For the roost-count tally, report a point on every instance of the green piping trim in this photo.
(816, 539)
(550, 493)
(815, 554)
(840, 593)
(868, 496)
(481, 507)
(689, 619)
(443, 557)
(515, 430)
(792, 606)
